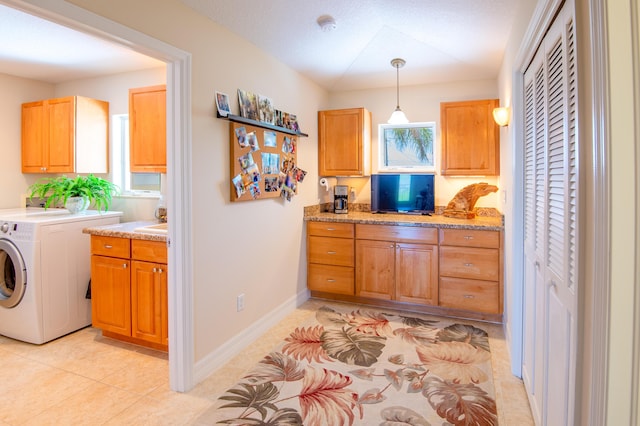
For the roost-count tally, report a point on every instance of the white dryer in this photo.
(45, 268)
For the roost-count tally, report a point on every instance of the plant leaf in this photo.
(329, 317)
(370, 323)
(455, 361)
(325, 399)
(465, 333)
(306, 343)
(276, 367)
(460, 404)
(351, 347)
(371, 396)
(398, 416)
(396, 378)
(258, 397)
(418, 335)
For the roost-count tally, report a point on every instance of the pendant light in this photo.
(398, 116)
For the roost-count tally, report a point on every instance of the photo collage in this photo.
(260, 108)
(264, 164)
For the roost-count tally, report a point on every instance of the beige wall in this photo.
(420, 104)
(256, 248)
(15, 91)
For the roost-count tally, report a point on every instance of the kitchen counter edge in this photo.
(126, 230)
(435, 221)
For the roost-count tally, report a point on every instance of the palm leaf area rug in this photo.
(368, 367)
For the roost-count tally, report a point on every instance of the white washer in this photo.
(45, 268)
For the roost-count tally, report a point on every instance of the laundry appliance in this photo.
(45, 268)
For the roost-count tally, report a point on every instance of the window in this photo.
(408, 147)
(129, 183)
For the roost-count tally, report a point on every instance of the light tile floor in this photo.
(85, 379)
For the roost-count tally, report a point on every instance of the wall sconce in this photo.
(501, 116)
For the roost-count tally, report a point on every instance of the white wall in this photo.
(258, 247)
(15, 91)
(420, 104)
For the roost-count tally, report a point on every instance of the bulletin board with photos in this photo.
(263, 163)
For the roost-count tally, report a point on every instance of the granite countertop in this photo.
(486, 223)
(126, 230)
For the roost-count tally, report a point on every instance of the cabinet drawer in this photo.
(471, 295)
(330, 279)
(110, 246)
(409, 234)
(151, 251)
(473, 263)
(469, 238)
(331, 251)
(330, 229)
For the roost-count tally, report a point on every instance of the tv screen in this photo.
(402, 193)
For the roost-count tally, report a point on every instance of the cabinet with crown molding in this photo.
(470, 138)
(344, 142)
(65, 135)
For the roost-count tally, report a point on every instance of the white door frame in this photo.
(180, 283)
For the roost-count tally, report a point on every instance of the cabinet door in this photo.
(344, 139)
(33, 138)
(148, 129)
(60, 126)
(417, 273)
(147, 317)
(375, 269)
(470, 138)
(111, 294)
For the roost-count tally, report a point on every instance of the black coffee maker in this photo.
(341, 199)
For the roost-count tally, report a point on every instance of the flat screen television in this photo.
(402, 193)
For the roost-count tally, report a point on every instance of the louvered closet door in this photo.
(551, 192)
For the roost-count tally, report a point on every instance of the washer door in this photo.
(13, 275)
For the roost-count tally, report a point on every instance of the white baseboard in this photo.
(216, 359)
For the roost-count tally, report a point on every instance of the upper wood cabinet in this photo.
(148, 129)
(470, 138)
(65, 135)
(344, 142)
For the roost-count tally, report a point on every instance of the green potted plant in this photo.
(76, 194)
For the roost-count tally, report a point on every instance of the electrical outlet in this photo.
(240, 302)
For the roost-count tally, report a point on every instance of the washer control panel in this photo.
(19, 231)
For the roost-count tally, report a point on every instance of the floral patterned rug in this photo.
(368, 367)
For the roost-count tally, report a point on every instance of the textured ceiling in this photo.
(38, 49)
(441, 40)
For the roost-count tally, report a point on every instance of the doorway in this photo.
(178, 158)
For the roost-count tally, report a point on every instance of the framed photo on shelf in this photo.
(265, 106)
(222, 103)
(248, 104)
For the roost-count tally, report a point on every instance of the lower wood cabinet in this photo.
(129, 290)
(397, 263)
(471, 270)
(330, 252)
(441, 271)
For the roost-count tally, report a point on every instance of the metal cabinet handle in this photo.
(469, 296)
(331, 252)
(124, 266)
(108, 246)
(331, 280)
(468, 237)
(160, 270)
(331, 229)
(468, 265)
